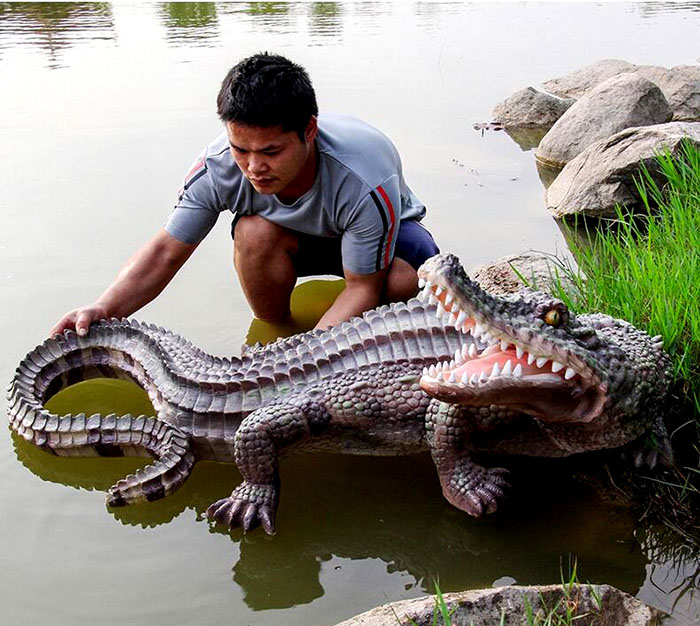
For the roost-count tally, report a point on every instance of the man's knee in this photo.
(255, 234)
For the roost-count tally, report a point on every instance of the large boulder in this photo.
(680, 84)
(602, 176)
(530, 108)
(602, 605)
(681, 87)
(620, 102)
(503, 276)
(581, 81)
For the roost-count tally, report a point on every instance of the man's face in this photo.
(274, 161)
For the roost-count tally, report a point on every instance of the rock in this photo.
(620, 102)
(530, 108)
(603, 605)
(501, 276)
(602, 176)
(581, 81)
(680, 86)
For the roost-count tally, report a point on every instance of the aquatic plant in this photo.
(645, 268)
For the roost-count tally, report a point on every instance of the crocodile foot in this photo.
(475, 489)
(249, 506)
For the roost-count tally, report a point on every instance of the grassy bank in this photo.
(647, 270)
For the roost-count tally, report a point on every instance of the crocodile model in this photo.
(464, 373)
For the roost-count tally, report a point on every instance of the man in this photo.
(311, 195)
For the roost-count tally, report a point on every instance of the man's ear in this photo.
(311, 129)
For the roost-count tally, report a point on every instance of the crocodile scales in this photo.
(461, 374)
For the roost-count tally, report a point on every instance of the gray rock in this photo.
(530, 108)
(681, 87)
(602, 176)
(578, 83)
(501, 276)
(603, 605)
(620, 102)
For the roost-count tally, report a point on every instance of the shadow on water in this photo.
(54, 26)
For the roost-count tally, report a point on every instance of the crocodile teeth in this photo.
(557, 367)
(541, 361)
(421, 283)
(465, 351)
(504, 345)
(465, 379)
(474, 379)
(440, 308)
(432, 299)
(479, 329)
(452, 378)
(530, 358)
(519, 352)
(432, 371)
(569, 373)
(461, 318)
(438, 290)
(425, 371)
(518, 371)
(448, 298)
(458, 356)
(451, 365)
(496, 370)
(455, 307)
(483, 378)
(473, 351)
(507, 368)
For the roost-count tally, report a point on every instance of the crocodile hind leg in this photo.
(259, 440)
(465, 484)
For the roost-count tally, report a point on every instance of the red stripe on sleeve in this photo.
(392, 224)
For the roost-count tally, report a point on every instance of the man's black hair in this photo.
(267, 90)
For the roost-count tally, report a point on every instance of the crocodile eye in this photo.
(553, 317)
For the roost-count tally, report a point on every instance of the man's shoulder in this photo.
(358, 147)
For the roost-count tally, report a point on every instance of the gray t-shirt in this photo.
(359, 194)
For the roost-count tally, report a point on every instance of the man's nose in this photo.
(257, 164)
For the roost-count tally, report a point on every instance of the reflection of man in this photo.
(311, 195)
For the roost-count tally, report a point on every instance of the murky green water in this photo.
(102, 109)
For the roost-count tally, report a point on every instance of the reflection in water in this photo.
(390, 509)
(54, 26)
(526, 138)
(194, 23)
(325, 19)
(309, 301)
(652, 9)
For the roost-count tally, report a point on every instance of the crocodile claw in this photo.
(478, 491)
(247, 507)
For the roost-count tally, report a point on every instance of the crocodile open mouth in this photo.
(503, 364)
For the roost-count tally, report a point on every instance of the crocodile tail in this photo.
(174, 461)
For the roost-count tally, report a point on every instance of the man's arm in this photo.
(141, 279)
(362, 292)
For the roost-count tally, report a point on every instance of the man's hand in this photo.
(80, 319)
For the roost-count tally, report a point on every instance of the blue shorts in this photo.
(322, 255)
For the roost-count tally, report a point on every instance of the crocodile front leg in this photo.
(259, 440)
(465, 484)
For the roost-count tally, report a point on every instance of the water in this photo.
(103, 107)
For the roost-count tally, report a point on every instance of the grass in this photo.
(564, 612)
(646, 269)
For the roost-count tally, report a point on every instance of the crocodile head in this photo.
(534, 356)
